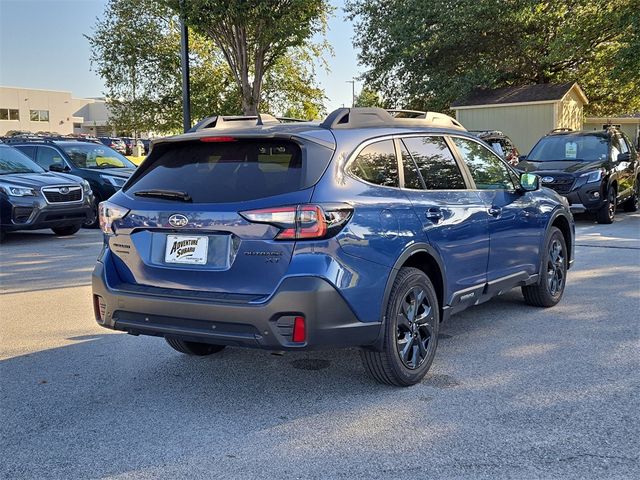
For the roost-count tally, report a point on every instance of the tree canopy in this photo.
(427, 54)
(255, 36)
(136, 50)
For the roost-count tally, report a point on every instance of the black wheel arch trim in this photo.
(559, 212)
(404, 256)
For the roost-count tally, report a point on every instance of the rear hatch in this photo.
(184, 229)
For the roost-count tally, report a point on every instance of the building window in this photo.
(39, 115)
(77, 125)
(9, 114)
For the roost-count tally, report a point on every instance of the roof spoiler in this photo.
(345, 118)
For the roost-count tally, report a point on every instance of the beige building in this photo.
(34, 110)
(523, 113)
(629, 124)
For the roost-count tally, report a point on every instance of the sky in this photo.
(42, 46)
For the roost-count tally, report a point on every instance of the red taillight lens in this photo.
(300, 222)
(299, 330)
(217, 139)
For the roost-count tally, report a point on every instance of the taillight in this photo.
(108, 213)
(302, 222)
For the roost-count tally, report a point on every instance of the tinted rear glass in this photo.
(232, 171)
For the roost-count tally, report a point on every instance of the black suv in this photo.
(500, 143)
(596, 171)
(31, 198)
(104, 168)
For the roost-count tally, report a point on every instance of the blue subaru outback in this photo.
(365, 230)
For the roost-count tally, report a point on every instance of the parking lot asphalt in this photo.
(514, 391)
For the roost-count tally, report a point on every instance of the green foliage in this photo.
(136, 50)
(426, 54)
(255, 36)
(369, 98)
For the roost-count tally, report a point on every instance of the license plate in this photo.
(189, 250)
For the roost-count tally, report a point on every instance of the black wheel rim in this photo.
(414, 331)
(555, 268)
(612, 202)
(636, 200)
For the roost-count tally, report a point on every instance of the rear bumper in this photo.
(329, 321)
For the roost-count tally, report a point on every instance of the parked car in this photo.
(146, 143)
(32, 198)
(500, 143)
(130, 143)
(364, 230)
(104, 168)
(596, 171)
(115, 143)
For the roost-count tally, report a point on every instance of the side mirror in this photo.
(624, 157)
(58, 167)
(522, 158)
(529, 182)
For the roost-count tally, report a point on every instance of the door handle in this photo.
(434, 214)
(495, 211)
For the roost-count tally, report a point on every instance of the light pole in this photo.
(353, 92)
(184, 62)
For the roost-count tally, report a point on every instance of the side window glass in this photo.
(487, 170)
(411, 176)
(47, 156)
(435, 163)
(28, 151)
(377, 164)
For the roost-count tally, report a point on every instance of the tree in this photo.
(368, 98)
(426, 54)
(136, 50)
(255, 35)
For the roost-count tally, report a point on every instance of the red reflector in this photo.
(299, 331)
(99, 308)
(217, 139)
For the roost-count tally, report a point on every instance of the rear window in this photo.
(232, 171)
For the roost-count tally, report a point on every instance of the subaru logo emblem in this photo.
(547, 179)
(63, 190)
(178, 220)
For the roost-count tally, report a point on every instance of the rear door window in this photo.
(377, 164)
(232, 171)
(435, 163)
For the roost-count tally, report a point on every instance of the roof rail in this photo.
(561, 129)
(344, 118)
(397, 113)
(220, 122)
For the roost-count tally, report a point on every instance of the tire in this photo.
(547, 293)
(410, 333)
(631, 205)
(193, 348)
(607, 212)
(68, 230)
(93, 221)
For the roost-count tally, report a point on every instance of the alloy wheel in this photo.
(414, 328)
(555, 268)
(612, 200)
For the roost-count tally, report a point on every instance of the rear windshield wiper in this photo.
(167, 194)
